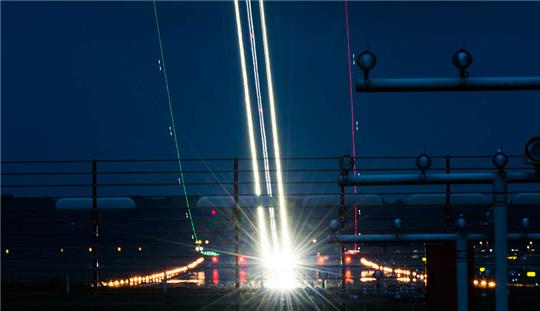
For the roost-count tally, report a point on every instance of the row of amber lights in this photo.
(484, 283)
(491, 284)
(402, 275)
(152, 278)
(119, 249)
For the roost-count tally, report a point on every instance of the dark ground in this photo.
(226, 299)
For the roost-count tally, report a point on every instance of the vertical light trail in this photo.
(260, 212)
(279, 261)
(275, 138)
(247, 101)
(264, 143)
(173, 128)
(265, 248)
(352, 111)
(273, 228)
(259, 97)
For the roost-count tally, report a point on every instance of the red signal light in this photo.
(215, 259)
(213, 212)
(242, 260)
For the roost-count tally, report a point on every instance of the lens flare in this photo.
(280, 271)
(278, 260)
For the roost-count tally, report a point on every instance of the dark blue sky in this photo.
(81, 80)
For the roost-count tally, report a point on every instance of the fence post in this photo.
(95, 222)
(462, 282)
(236, 221)
(68, 289)
(342, 225)
(447, 215)
(500, 208)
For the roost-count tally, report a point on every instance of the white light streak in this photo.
(260, 109)
(247, 101)
(265, 249)
(279, 260)
(284, 261)
(255, 63)
(275, 136)
(273, 227)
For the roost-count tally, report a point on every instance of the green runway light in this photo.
(209, 253)
(169, 101)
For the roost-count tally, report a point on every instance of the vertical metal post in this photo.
(447, 209)
(501, 243)
(342, 207)
(236, 220)
(342, 225)
(461, 271)
(164, 282)
(95, 222)
(68, 289)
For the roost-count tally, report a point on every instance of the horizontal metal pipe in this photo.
(522, 177)
(449, 84)
(412, 179)
(420, 237)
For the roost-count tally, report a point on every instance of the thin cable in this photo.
(352, 111)
(171, 113)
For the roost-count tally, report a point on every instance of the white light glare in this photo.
(281, 271)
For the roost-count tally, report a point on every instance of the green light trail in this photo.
(169, 101)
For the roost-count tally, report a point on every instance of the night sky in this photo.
(81, 80)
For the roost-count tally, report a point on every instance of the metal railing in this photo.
(47, 247)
